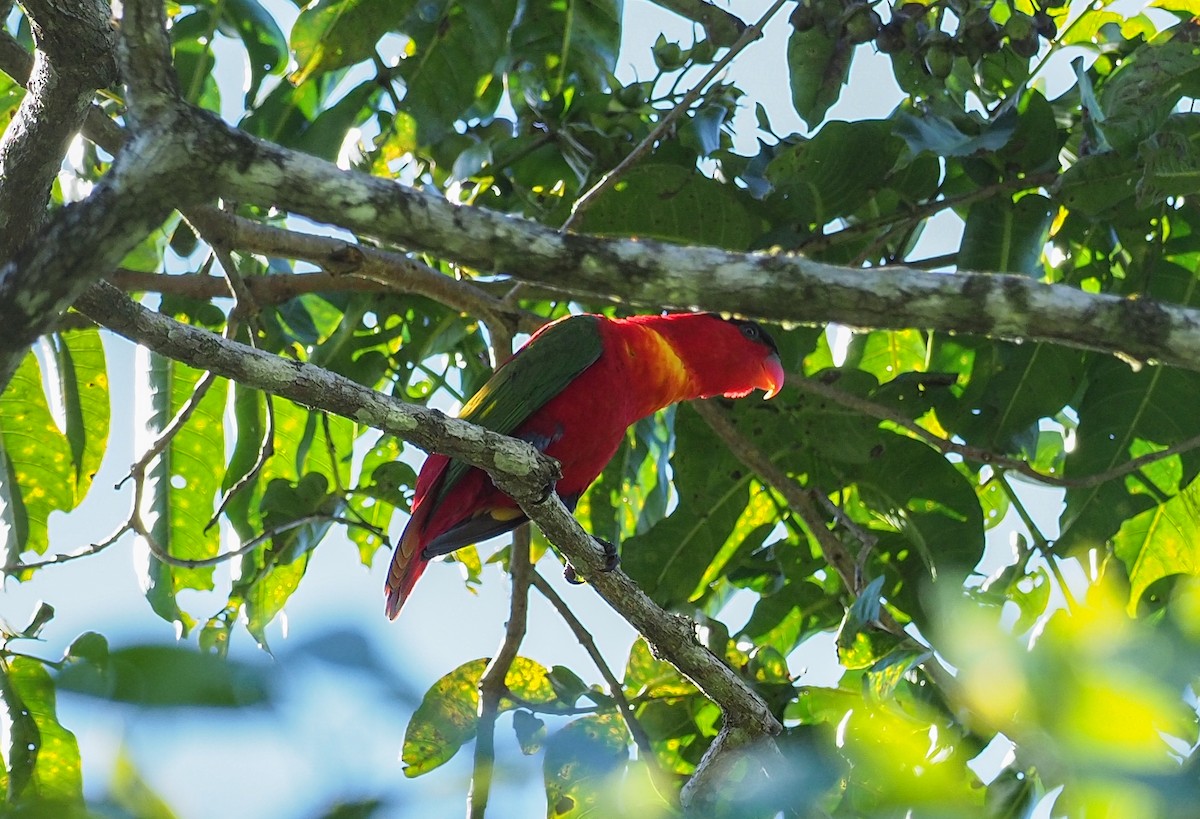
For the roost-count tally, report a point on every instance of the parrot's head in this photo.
(724, 356)
(752, 355)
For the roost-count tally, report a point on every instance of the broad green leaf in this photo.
(834, 173)
(1172, 161)
(647, 677)
(1099, 184)
(83, 391)
(901, 761)
(956, 135)
(669, 560)
(270, 574)
(818, 67)
(632, 492)
(1009, 389)
(758, 517)
(676, 204)
(383, 482)
(1145, 88)
(450, 74)
(1161, 541)
(181, 484)
(191, 40)
(916, 492)
(43, 756)
(890, 670)
(266, 47)
(583, 760)
(447, 717)
(1003, 236)
(41, 473)
(888, 353)
(11, 95)
(167, 676)
(331, 34)
(1119, 408)
(556, 45)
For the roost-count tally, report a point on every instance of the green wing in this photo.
(539, 371)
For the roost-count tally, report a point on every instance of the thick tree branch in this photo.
(75, 56)
(773, 286)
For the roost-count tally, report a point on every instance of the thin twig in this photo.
(492, 686)
(616, 689)
(66, 557)
(163, 556)
(611, 178)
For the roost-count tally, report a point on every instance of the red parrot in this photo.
(572, 391)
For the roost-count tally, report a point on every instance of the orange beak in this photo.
(772, 375)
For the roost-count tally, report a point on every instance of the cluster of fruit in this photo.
(917, 28)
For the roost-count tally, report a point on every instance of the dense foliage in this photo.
(860, 502)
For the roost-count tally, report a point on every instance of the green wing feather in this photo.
(539, 371)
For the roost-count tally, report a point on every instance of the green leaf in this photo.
(1010, 388)
(1003, 236)
(557, 45)
(1099, 185)
(833, 174)
(1139, 96)
(920, 495)
(447, 717)
(818, 67)
(451, 73)
(888, 353)
(269, 575)
(41, 472)
(1120, 408)
(648, 677)
(956, 134)
(83, 391)
(1171, 159)
(166, 676)
(669, 560)
(582, 761)
(181, 485)
(331, 34)
(43, 756)
(1161, 541)
(265, 44)
(675, 204)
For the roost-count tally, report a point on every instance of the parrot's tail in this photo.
(407, 566)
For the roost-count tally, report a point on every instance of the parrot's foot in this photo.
(611, 561)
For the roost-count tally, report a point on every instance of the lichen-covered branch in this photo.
(74, 57)
(773, 286)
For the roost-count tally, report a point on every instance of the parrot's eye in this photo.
(752, 332)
